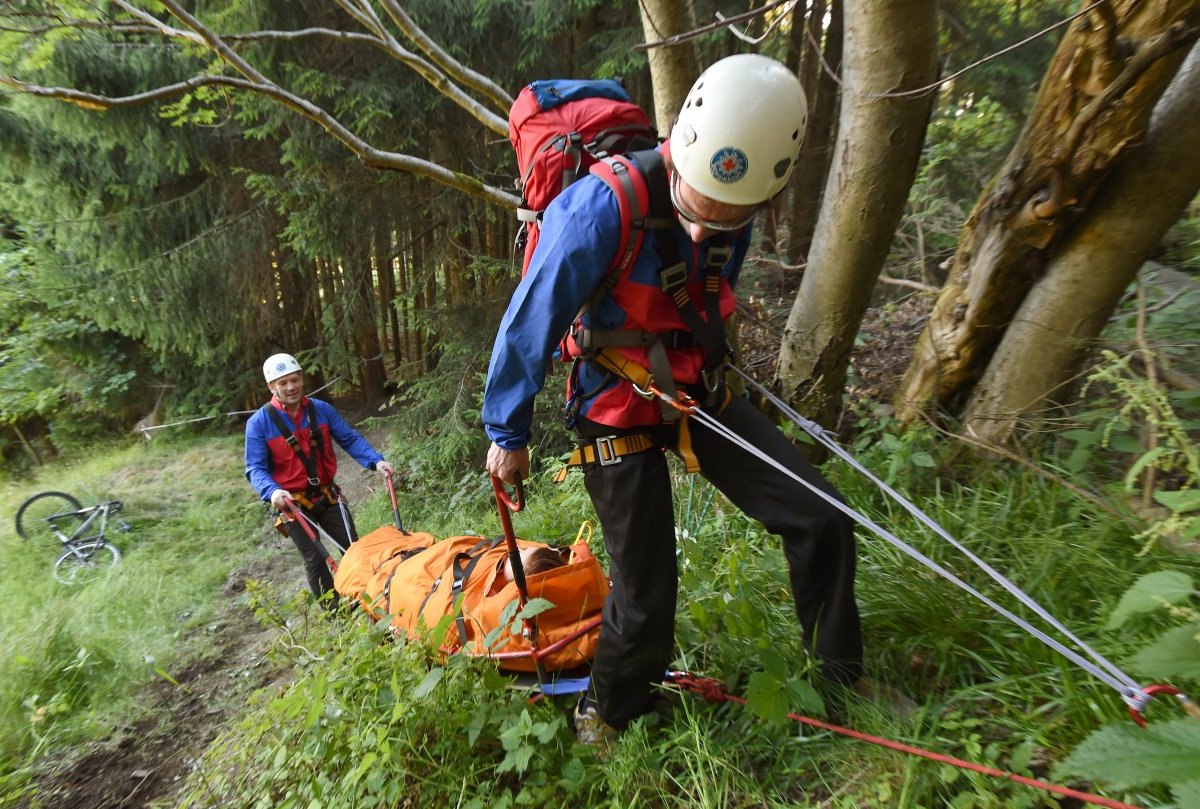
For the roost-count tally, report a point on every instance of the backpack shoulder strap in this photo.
(643, 191)
(639, 182)
(315, 440)
(309, 459)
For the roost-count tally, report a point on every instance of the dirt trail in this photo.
(146, 764)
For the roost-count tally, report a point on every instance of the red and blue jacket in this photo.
(580, 235)
(271, 464)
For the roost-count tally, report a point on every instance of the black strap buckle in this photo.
(314, 482)
(718, 257)
(671, 277)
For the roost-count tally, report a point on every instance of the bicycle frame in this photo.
(80, 536)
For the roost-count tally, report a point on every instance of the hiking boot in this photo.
(891, 699)
(590, 729)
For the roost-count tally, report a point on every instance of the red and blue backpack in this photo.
(563, 128)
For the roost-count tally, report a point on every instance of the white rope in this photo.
(1130, 691)
(298, 512)
(819, 433)
(221, 415)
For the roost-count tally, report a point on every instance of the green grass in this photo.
(453, 735)
(74, 659)
(371, 723)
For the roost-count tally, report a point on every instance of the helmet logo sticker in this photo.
(728, 164)
(281, 366)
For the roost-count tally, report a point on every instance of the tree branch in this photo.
(197, 33)
(905, 282)
(445, 61)
(429, 72)
(724, 22)
(329, 33)
(368, 155)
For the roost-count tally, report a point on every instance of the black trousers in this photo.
(633, 502)
(320, 579)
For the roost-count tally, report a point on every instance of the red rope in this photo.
(714, 691)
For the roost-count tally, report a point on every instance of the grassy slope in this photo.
(373, 725)
(384, 725)
(73, 661)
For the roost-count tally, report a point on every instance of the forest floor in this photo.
(146, 762)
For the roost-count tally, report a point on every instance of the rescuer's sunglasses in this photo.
(709, 224)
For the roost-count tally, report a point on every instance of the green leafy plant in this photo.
(1165, 752)
(1171, 449)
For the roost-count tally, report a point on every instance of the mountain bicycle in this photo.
(87, 553)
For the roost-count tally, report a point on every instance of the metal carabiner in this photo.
(1185, 702)
(651, 393)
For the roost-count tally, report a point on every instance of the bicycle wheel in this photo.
(41, 514)
(83, 562)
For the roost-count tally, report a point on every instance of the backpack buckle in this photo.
(718, 257)
(606, 453)
(314, 482)
(671, 277)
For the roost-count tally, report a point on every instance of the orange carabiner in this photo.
(683, 403)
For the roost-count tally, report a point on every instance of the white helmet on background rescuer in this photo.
(740, 130)
(278, 365)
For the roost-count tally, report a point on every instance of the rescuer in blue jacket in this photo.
(290, 459)
(731, 151)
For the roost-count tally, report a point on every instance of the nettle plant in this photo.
(1128, 756)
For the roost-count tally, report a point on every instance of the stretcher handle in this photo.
(294, 514)
(395, 508)
(515, 501)
(506, 504)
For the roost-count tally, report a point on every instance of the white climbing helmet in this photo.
(740, 129)
(278, 365)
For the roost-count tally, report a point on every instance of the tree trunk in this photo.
(365, 325)
(673, 68)
(1083, 283)
(1093, 106)
(890, 47)
(812, 167)
(404, 305)
(386, 269)
(28, 447)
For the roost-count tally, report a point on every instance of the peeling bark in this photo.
(1093, 107)
(1065, 311)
